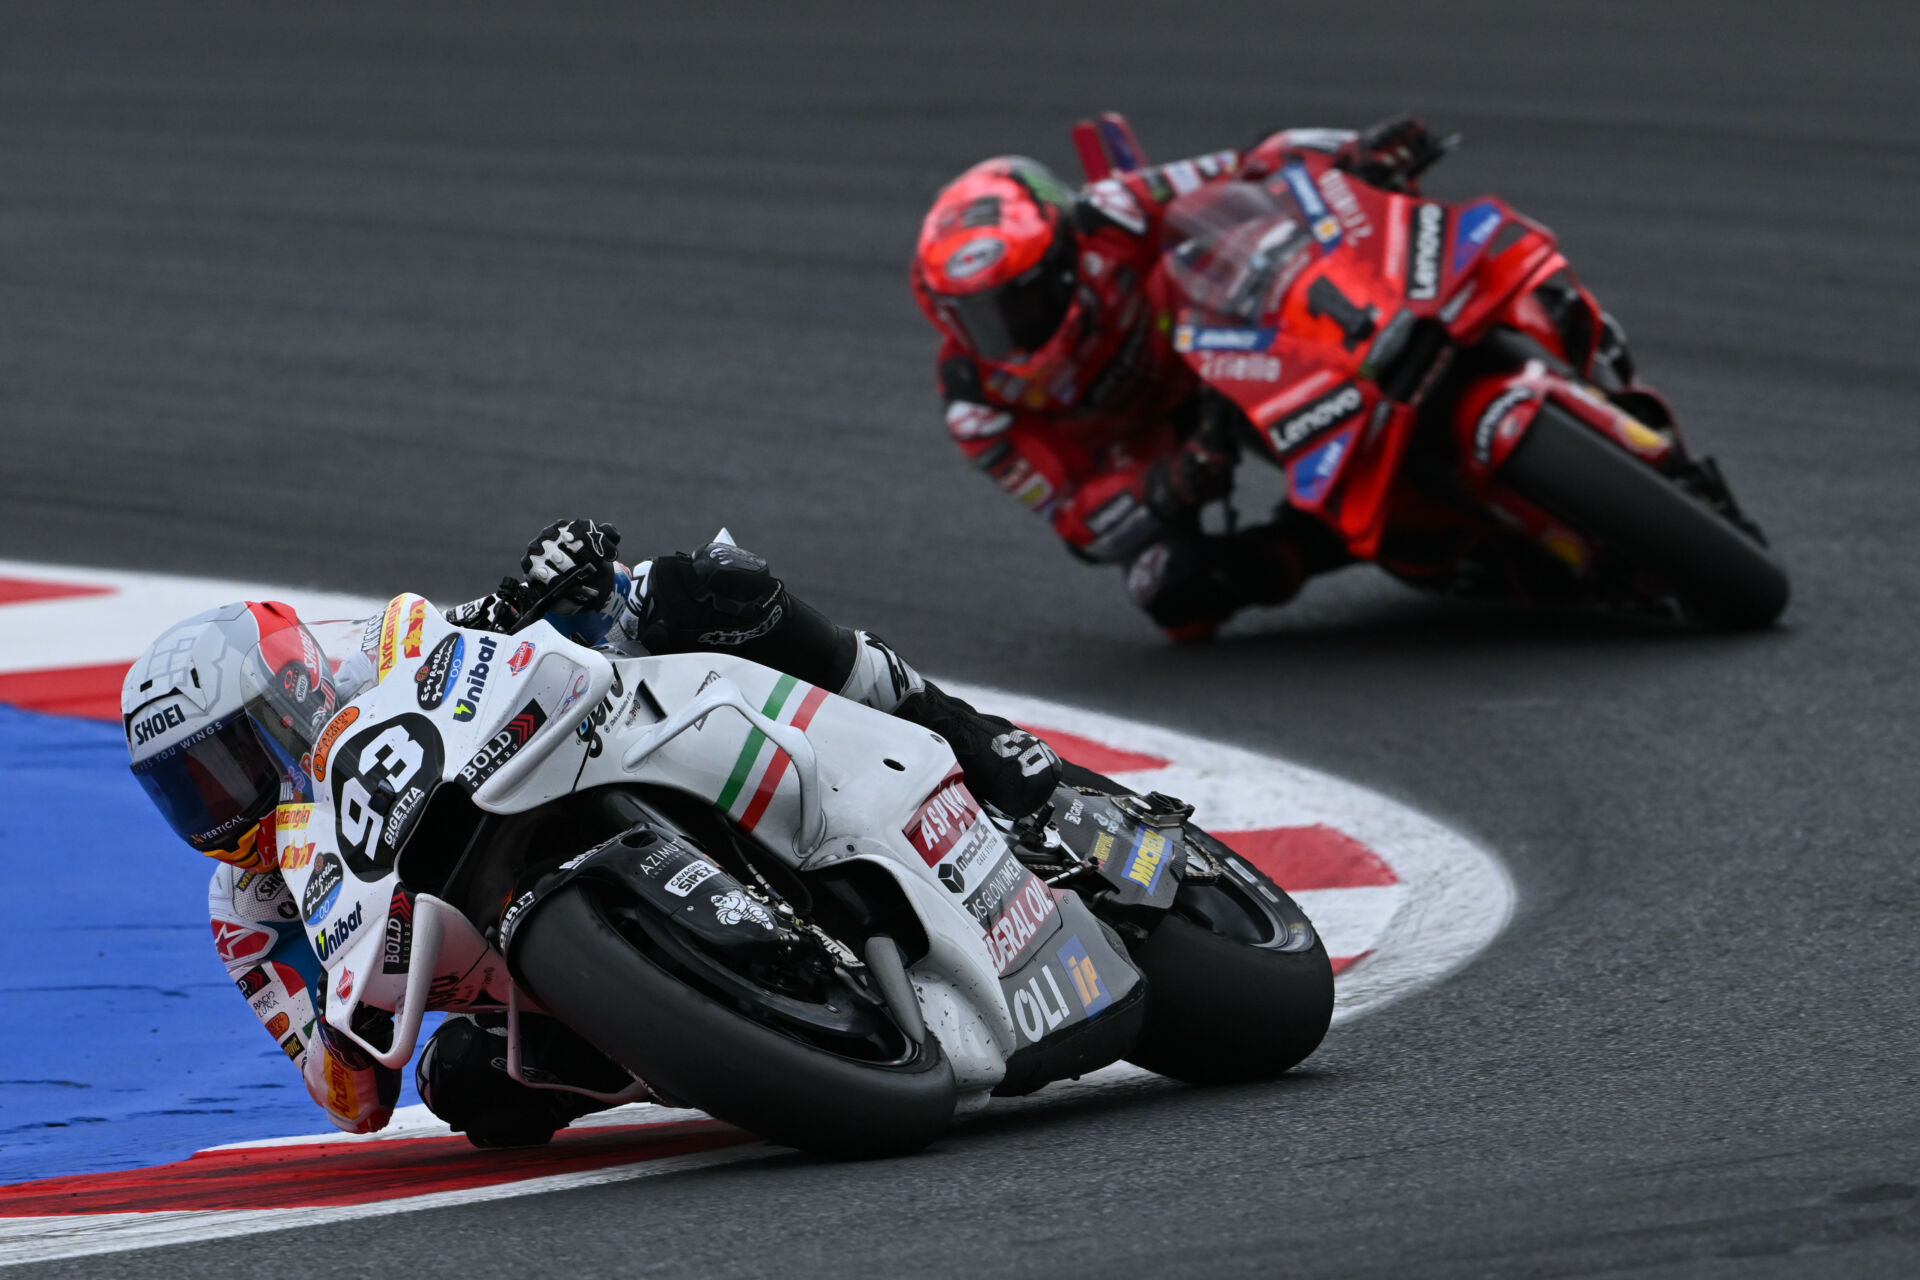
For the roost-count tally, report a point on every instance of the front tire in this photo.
(1719, 574)
(693, 1048)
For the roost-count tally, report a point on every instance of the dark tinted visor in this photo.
(1022, 314)
(215, 785)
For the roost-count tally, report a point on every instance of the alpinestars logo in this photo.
(1429, 234)
(501, 746)
(1328, 411)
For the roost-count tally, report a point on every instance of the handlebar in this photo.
(536, 609)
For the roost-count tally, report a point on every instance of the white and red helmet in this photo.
(200, 756)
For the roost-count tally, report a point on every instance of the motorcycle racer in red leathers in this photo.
(1061, 380)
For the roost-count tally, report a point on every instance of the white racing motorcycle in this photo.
(758, 898)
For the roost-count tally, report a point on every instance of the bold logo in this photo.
(158, 723)
(1429, 234)
(434, 679)
(521, 657)
(345, 987)
(469, 704)
(1019, 923)
(1476, 226)
(328, 941)
(501, 746)
(1093, 993)
(1491, 419)
(323, 889)
(1149, 859)
(975, 256)
(416, 617)
(1322, 415)
(942, 819)
(328, 736)
(397, 948)
(252, 982)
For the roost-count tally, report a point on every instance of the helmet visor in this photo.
(214, 785)
(1021, 314)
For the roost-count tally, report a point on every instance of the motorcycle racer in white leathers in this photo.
(196, 753)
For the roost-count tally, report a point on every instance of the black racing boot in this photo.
(1005, 766)
(462, 1077)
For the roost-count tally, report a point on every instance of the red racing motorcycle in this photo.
(1445, 395)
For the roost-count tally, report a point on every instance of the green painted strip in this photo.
(743, 767)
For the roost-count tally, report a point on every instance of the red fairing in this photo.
(1329, 310)
(1342, 320)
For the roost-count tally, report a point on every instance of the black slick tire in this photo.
(1221, 1011)
(694, 1049)
(1720, 575)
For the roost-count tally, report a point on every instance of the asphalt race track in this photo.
(362, 298)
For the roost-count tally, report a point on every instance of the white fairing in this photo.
(544, 717)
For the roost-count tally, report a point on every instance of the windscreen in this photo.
(1233, 246)
(299, 676)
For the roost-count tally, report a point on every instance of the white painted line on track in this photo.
(1454, 897)
(46, 1239)
(1446, 897)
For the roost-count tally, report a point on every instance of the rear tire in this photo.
(692, 1048)
(1719, 574)
(1221, 1007)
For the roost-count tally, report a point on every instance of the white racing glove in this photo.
(565, 545)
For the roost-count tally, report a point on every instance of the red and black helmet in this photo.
(995, 266)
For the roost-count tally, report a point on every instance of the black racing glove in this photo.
(1391, 154)
(1201, 470)
(721, 596)
(568, 544)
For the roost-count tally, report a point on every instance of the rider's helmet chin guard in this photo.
(996, 265)
(198, 722)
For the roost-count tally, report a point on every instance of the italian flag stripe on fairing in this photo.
(777, 767)
(743, 767)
